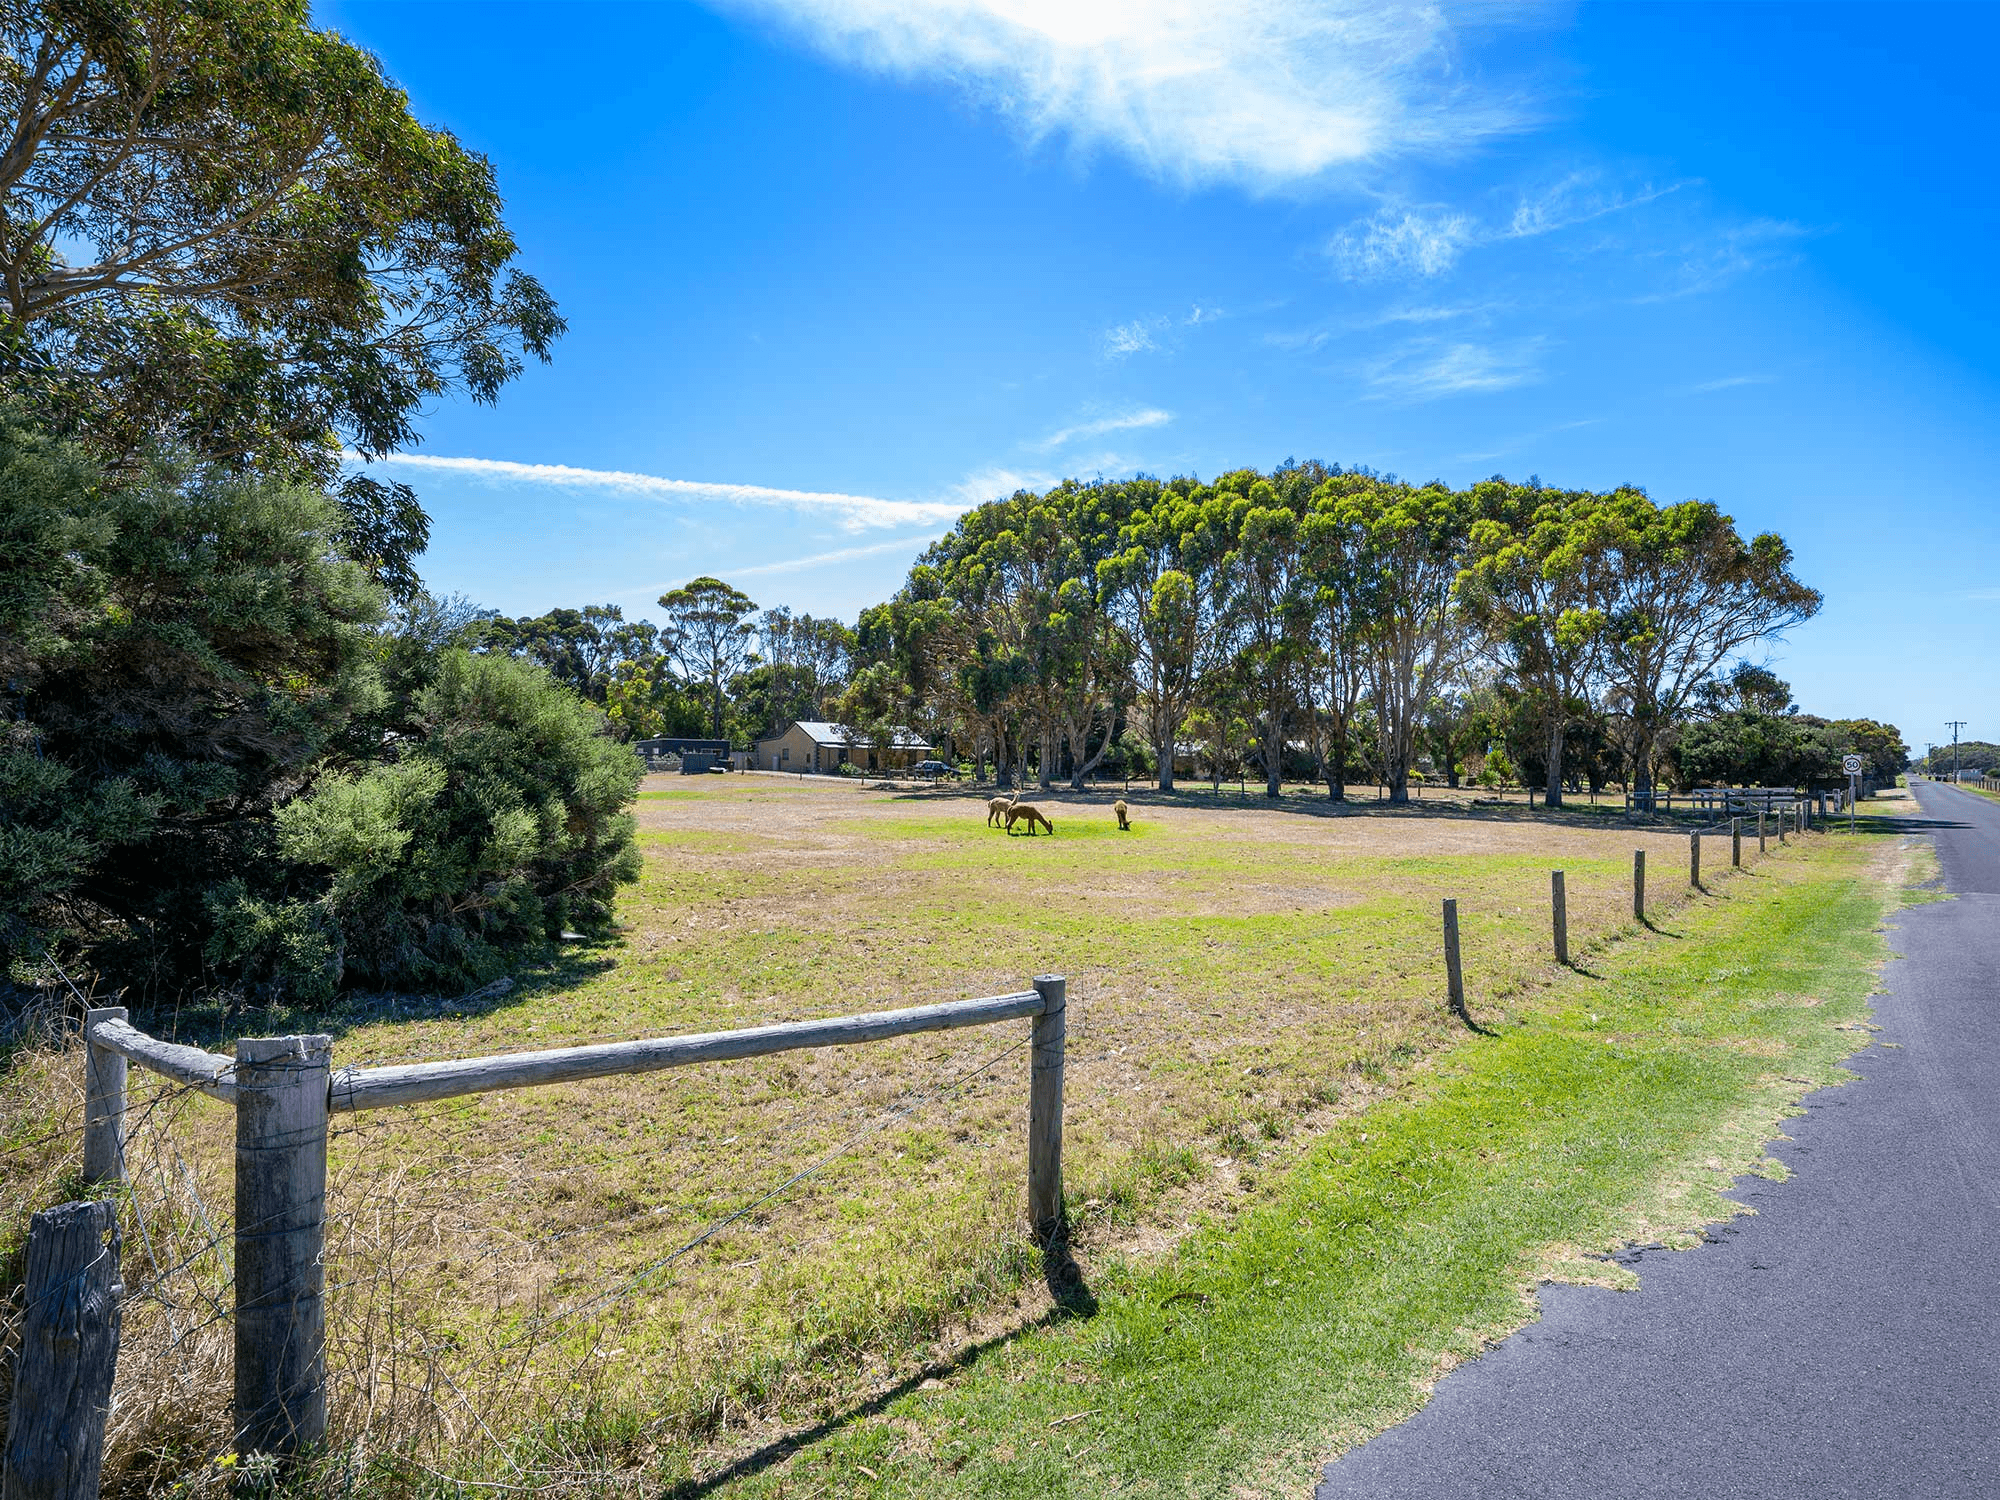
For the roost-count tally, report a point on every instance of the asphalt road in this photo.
(1844, 1341)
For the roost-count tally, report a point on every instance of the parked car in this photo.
(935, 769)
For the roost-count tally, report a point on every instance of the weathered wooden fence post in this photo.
(1694, 859)
(1736, 843)
(1639, 885)
(1559, 910)
(281, 1108)
(1760, 830)
(103, 1102)
(68, 1355)
(1454, 974)
(1783, 814)
(1045, 1107)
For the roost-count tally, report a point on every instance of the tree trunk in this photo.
(1397, 774)
(1163, 752)
(1555, 788)
(1642, 775)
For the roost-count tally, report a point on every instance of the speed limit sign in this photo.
(1851, 764)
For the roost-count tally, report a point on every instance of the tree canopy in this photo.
(223, 233)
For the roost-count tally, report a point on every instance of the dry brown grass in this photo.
(1236, 975)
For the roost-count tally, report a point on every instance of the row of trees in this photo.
(1337, 616)
(1313, 621)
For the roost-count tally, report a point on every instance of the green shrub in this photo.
(500, 827)
(217, 765)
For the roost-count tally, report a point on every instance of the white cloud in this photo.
(852, 512)
(995, 483)
(1574, 201)
(1401, 242)
(1130, 421)
(1428, 370)
(1260, 92)
(1428, 240)
(1128, 338)
(911, 545)
(1758, 245)
(1728, 382)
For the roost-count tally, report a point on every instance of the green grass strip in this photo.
(1410, 1235)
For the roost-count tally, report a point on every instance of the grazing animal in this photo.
(996, 808)
(1032, 814)
(1119, 808)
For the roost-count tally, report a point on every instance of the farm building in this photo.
(821, 748)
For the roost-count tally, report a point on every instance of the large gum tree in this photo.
(223, 233)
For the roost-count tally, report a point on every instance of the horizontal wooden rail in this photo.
(210, 1072)
(418, 1083)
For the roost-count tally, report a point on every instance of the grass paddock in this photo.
(1246, 984)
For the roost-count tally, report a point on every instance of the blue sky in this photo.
(835, 269)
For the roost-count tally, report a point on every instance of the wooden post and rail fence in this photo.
(284, 1089)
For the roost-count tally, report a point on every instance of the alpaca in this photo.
(1032, 813)
(996, 807)
(1119, 808)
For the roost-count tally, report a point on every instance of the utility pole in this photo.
(1956, 725)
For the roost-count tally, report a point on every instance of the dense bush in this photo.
(218, 763)
(499, 826)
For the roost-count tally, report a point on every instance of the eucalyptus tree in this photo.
(808, 657)
(1268, 603)
(1332, 665)
(1683, 592)
(223, 233)
(1408, 546)
(980, 649)
(710, 636)
(1165, 588)
(1534, 582)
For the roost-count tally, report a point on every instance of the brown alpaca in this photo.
(1119, 808)
(1032, 813)
(996, 808)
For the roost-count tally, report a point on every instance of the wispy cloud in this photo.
(1421, 242)
(1128, 338)
(1130, 421)
(1426, 240)
(1577, 199)
(852, 512)
(1265, 93)
(1728, 382)
(1760, 244)
(911, 545)
(1429, 369)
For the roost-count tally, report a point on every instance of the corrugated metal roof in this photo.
(823, 733)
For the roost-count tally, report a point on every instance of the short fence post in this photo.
(1454, 975)
(68, 1355)
(1760, 830)
(1736, 843)
(1782, 815)
(1638, 885)
(1559, 910)
(1045, 1108)
(281, 1108)
(1694, 859)
(103, 1102)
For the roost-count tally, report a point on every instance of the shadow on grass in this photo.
(217, 1019)
(1073, 1299)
